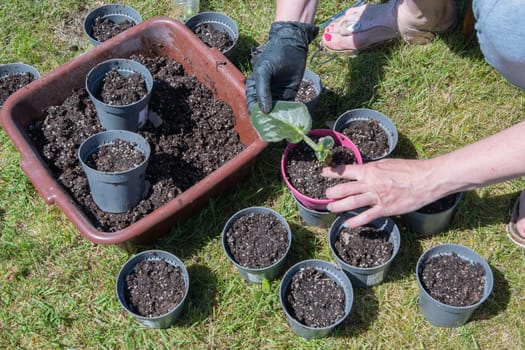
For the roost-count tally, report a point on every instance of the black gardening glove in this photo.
(279, 66)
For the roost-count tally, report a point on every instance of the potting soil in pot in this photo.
(104, 28)
(369, 137)
(364, 246)
(118, 90)
(154, 287)
(117, 157)
(13, 82)
(304, 170)
(257, 240)
(213, 37)
(196, 136)
(314, 299)
(453, 280)
(306, 92)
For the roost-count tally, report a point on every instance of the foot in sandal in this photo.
(516, 226)
(416, 21)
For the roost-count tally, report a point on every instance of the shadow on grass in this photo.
(201, 297)
(365, 309)
(497, 302)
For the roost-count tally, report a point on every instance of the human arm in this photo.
(279, 67)
(397, 186)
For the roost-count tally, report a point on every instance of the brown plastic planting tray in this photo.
(162, 36)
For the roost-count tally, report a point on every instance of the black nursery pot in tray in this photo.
(160, 37)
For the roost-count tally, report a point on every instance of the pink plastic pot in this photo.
(339, 139)
(164, 37)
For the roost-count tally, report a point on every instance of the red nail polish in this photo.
(327, 30)
(327, 37)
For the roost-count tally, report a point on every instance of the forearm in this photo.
(494, 159)
(296, 10)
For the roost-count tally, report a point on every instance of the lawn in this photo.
(57, 289)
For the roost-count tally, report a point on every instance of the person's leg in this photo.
(413, 20)
(501, 35)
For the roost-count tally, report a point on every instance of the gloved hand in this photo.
(278, 69)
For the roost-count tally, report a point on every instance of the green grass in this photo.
(57, 289)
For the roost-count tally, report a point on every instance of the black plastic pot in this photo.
(371, 276)
(443, 315)
(219, 21)
(256, 275)
(119, 117)
(116, 13)
(334, 273)
(115, 192)
(162, 321)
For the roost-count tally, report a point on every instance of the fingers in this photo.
(251, 93)
(349, 172)
(346, 189)
(364, 217)
(352, 202)
(263, 82)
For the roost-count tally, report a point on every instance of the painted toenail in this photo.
(327, 37)
(327, 30)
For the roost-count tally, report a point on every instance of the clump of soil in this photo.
(314, 299)
(13, 82)
(440, 205)
(306, 92)
(196, 137)
(304, 170)
(453, 280)
(257, 240)
(104, 28)
(364, 247)
(118, 90)
(369, 137)
(154, 288)
(213, 37)
(119, 156)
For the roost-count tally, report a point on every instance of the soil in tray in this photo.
(364, 246)
(213, 37)
(118, 90)
(104, 28)
(453, 280)
(257, 240)
(117, 157)
(440, 205)
(306, 92)
(13, 82)
(195, 138)
(314, 299)
(304, 170)
(154, 288)
(369, 137)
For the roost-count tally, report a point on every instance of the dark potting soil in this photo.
(13, 82)
(453, 280)
(369, 137)
(364, 246)
(314, 299)
(304, 170)
(195, 138)
(257, 240)
(104, 28)
(118, 90)
(154, 288)
(119, 156)
(213, 37)
(306, 92)
(440, 205)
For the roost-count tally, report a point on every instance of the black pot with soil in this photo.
(15, 76)
(453, 282)
(107, 21)
(257, 241)
(215, 30)
(433, 218)
(152, 287)
(316, 297)
(365, 253)
(374, 134)
(309, 90)
(115, 163)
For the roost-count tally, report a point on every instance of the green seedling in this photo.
(291, 121)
